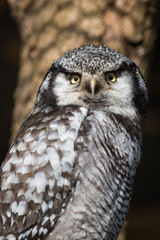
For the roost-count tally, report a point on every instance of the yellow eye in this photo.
(111, 77)
(75, 78)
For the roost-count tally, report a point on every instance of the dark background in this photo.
(144, 214)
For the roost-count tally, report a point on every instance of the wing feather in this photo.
(37, 175)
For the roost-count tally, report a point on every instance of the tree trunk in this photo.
(49, 28)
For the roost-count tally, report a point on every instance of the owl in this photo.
(68, 175)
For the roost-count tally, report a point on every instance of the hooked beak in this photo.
(92, 84)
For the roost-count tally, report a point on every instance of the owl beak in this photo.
(92, 84)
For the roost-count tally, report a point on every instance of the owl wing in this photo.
(38, 175)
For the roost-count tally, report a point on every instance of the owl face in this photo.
(95, 77)
(93, 90)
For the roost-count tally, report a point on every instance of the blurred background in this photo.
(34, 33)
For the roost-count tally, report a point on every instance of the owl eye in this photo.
(75, 78)
(111, 77)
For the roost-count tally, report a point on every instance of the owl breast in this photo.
(101, 193)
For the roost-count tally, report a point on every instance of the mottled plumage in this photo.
(69, 172)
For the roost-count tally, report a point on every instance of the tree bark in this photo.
(49, 28)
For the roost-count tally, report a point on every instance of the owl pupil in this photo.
(110, 77)
(76, 79)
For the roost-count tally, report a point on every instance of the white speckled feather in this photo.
(42, 153)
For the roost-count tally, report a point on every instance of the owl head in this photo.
(94, 77)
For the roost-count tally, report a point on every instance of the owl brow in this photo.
(73, 73)
(126, 66)
(123, 67)
(69, 74)
(117, 72)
